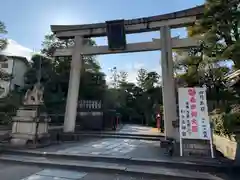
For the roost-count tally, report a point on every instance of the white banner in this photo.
(193, 114)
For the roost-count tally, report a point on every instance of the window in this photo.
(4, 65)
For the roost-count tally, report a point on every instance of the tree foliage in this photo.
(55, 72)
(217, 32)
(135, 101)
(220, 29)
(3, 41)
(208, 65)
(9, 103)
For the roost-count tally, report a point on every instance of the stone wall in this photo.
(229, 148)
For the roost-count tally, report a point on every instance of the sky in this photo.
(27, 22)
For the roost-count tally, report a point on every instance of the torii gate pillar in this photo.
(168, 84)
(73, 86)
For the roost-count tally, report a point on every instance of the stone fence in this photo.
(229, 148)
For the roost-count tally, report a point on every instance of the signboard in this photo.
(90, 105)
(116, 35)
(90, 114)
(90, 108)
(193, 114)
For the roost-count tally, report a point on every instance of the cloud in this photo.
(15, 49)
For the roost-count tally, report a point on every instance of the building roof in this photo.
(15, 49)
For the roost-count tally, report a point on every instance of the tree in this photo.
(90, 69)
(3, 41)
(188, 67)
(141, 76)
(151, 93)
(9, 103)
(135, 102)
(147, 80)
(55, 73)
(117, 88)
(219, 28)
(151, 80)
(43, 67)
(123, 77)
(51, 43)
(114, 78)
(203, 65)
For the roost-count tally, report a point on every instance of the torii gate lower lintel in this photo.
(164, 23)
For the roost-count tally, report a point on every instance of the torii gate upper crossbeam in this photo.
(174, 20)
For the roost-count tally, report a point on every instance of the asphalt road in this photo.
(9, 171)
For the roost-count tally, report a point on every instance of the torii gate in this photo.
(164, 23)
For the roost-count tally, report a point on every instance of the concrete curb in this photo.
(144, 171)
(180, 164)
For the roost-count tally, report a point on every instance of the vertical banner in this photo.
(193, 114)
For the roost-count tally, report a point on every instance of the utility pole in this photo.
(39, 76)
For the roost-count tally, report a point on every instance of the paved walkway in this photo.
(111, 147)
(116, 147)
(120, 147)
(92, 146)
(138, 129)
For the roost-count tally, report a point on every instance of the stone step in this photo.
(116, 136)
(203, 165)
(121, 134)
(23, 118)
(98, 166)
(26, 113)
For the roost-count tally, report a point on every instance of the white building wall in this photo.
(17, 68)
(14, 50)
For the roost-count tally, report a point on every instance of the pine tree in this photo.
(220, 26)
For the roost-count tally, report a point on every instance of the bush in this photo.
(231, 122)
(9, 105)
(226, 124)
(235, 108)
(218, 123)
